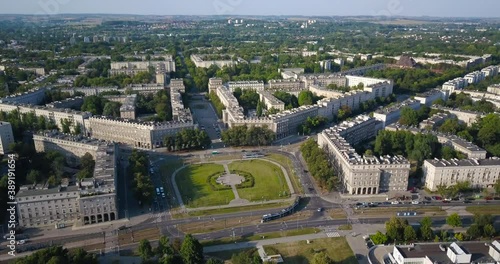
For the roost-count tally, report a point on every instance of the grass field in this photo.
(287, 164)
(194, 189)
(300, 252)
(483, 209)
(166, 171)
(254, 237)
(270, 182)
(126, 237)
(378, 211)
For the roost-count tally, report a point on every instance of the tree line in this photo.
(188, 139)
(399, 230)
(22, 122)
(218, 105)
(59, 255)
(248, 136)
(464, 101)
(138, 172)
(319, 165)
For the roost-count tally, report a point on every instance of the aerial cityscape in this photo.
(238, 132)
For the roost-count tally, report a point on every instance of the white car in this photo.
(415, 202)
(395, 202)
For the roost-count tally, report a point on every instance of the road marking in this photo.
(333, 234)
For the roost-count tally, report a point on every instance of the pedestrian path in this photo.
(333, 234)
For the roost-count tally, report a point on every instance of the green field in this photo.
(300, 252)
(287, 164)
(194, 189)
(269, 180)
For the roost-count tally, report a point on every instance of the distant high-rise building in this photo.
(86, 39)
(95, 39)
(72, 40)
(6, 137)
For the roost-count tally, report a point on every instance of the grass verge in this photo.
(287, 164)
(377, 211)
(301, 252)
(254, 237)
(482, 209)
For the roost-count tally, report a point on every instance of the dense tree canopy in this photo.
(59, 255)
(248, 136)
(319, 165)
(188, 139)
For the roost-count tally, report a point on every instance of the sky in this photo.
(435, 8)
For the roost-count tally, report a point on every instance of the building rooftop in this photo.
(67, 137)
(465, 162)
(478, 250)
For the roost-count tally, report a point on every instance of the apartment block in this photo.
(480, 173)
(270, 101)
(72, 147)
(390, 115)
(244, 85)
(89, 201)
(363, 175)
(429, 97)
(135, 67)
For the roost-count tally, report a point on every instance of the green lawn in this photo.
(287, 164)
(269, 180)
(261, 236)
(195, 190)
(483, 209)
(300, 252)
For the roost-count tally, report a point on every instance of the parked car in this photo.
(395, 202)
(415, 202)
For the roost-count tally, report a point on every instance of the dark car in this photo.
(467, 201)
(445, 201)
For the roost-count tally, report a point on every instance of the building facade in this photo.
(480, 173)
(363, 175)
(89, 201)
(6, 136)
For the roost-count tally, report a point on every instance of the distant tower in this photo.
(72, 40)
(95, 39)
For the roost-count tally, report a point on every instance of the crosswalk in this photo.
(333, 234)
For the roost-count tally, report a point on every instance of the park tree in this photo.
(33, 176)
(66, 125)
(259, 108)
(145, 250)
(191, 250)
(214, 261)
(321, 258)
(343, 113)
(111, 109)
(454, 220)
(408, 117)
(395, 228)
(409, 234)
(164, 247)
(58, 254)
(474, 231)
(489, 230)
(246, 257)
(306, 98)
(379, 238)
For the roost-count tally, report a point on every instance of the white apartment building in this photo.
(468, 117)
(270, 101)
(134, 67)
(286, 85)
(88, 91)
(494, 89)
(480, 173)
(199, 61)
(363, 175)
(6, 136)
(244, 85)
(429, 97)
(88, 202)
(390, 115)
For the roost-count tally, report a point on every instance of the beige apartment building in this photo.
(72, 147)
(363, 175)
(88, 202)
(480, 173)
(270, 101)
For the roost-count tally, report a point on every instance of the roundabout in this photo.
(230, 183)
